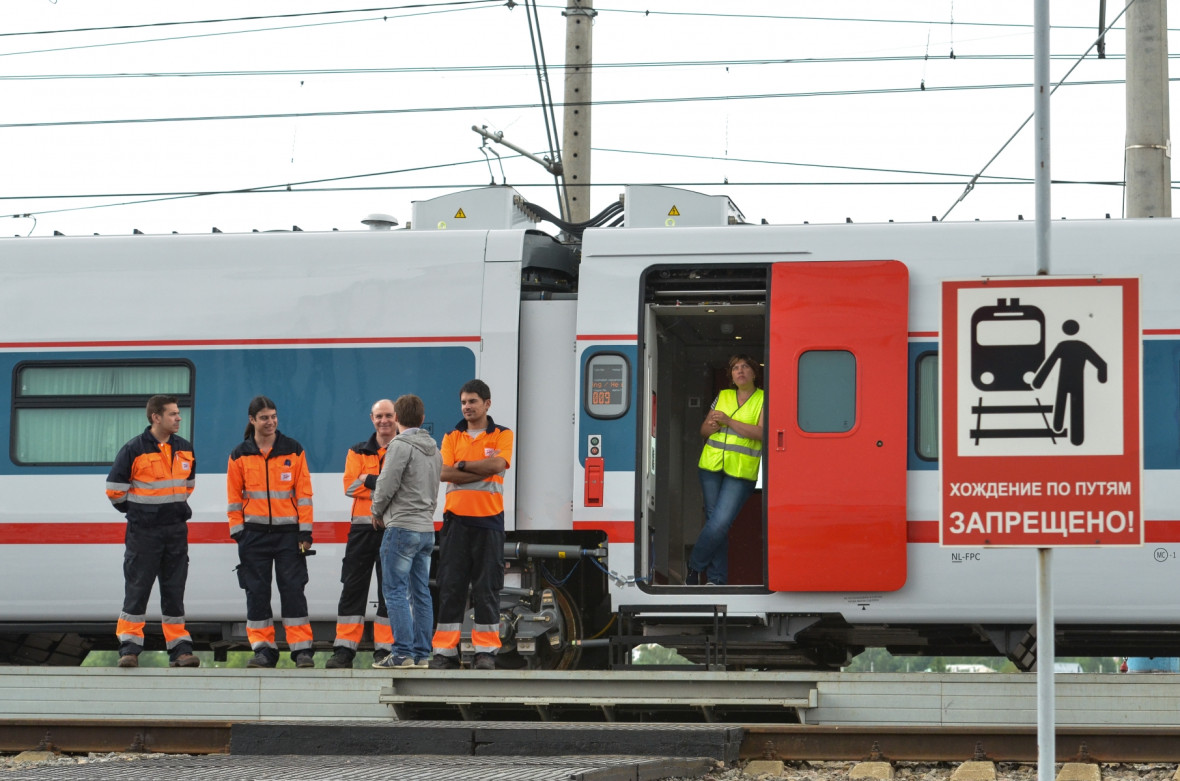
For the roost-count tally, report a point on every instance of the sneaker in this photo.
(305, 660)
(260, 659)
(423, 663)
(184, 660)
(440, 662)
(129, 660)
(392, 662)
(380, 654)
(484, 662)
(341, 660)
(693, 577)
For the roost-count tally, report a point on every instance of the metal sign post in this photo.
(1041, 428)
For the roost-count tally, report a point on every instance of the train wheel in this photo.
(566, 658)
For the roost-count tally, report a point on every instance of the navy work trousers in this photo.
(475, 556)
(362, 555)
(258, 551)
(155, 553)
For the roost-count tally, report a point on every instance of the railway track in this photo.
(788, 742)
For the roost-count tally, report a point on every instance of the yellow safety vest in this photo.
(724, 450)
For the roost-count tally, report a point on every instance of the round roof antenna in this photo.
(380, 222)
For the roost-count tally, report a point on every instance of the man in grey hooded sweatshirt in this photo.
(404, 499)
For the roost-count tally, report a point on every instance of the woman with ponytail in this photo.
(270, 516)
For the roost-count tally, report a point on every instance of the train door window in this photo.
(827, 391)
(693, 320)
(926, 407)
(81, 412)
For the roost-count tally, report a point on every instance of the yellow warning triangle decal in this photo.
(459, 215)
(675, 212)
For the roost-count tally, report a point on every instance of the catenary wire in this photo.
(519, 106)
(253, 18)
(240, 32)
(762, 61)
(971, 184)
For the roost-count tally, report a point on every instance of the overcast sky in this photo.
(784, 106)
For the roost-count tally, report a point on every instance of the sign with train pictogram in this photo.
(1041, 435)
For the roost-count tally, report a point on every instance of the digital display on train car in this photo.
(608, 385)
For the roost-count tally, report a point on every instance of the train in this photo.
(604, 344)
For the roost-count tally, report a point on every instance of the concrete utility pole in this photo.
(1149, 148)
(575, 134)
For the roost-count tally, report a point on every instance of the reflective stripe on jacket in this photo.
(480, 503)
(724, 450)
(274, 491)
(151, 481)
(361, 468)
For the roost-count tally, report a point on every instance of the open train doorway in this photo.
(830, 343)
(693, 321)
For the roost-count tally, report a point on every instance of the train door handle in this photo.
(779, 440)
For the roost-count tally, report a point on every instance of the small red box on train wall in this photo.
(1041, 412)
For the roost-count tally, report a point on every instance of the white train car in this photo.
(602, 355)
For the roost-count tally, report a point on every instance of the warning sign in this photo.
(459, 215)
(674, 212)
(1041, 400)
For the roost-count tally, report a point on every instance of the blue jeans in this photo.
(724, 497)
(405, 586)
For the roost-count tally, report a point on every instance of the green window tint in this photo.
(81, 435)
(827, 391)
(80, 413)
(926, 407)
(113, 380)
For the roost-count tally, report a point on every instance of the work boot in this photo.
(185, 660)
(260, 659)
(129, 660)
(341, 660)
(484, 662)
(305, 660)
(440, 662)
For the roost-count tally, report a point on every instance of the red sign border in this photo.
(992, 469)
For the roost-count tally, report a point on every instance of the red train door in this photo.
(836, 430)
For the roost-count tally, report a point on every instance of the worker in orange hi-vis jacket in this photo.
(475, 456)
(150, 482)
(362, 554)
(268, 489)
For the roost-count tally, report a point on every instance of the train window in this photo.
(926, 407)
(827, 391)
(81, 412)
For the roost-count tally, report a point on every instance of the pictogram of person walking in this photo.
(1073, 354)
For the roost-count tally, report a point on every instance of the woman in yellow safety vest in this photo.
(729, 468)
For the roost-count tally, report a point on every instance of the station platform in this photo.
(380, 768)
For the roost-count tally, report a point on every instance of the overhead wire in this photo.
(282, 187)
(252, 18)
(520, 106)
(470, 5)
(644, 12)
(243, 32)
(435, 69)
(971, 184)
(546, 101)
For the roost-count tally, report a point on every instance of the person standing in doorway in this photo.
(404, 500)
(475, 456)
(728, 469)
(362, 554)
(270, 516)
(150, 482)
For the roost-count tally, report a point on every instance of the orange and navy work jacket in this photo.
(477, 504)
(271, 492)
(360, 477)
(151, 481)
